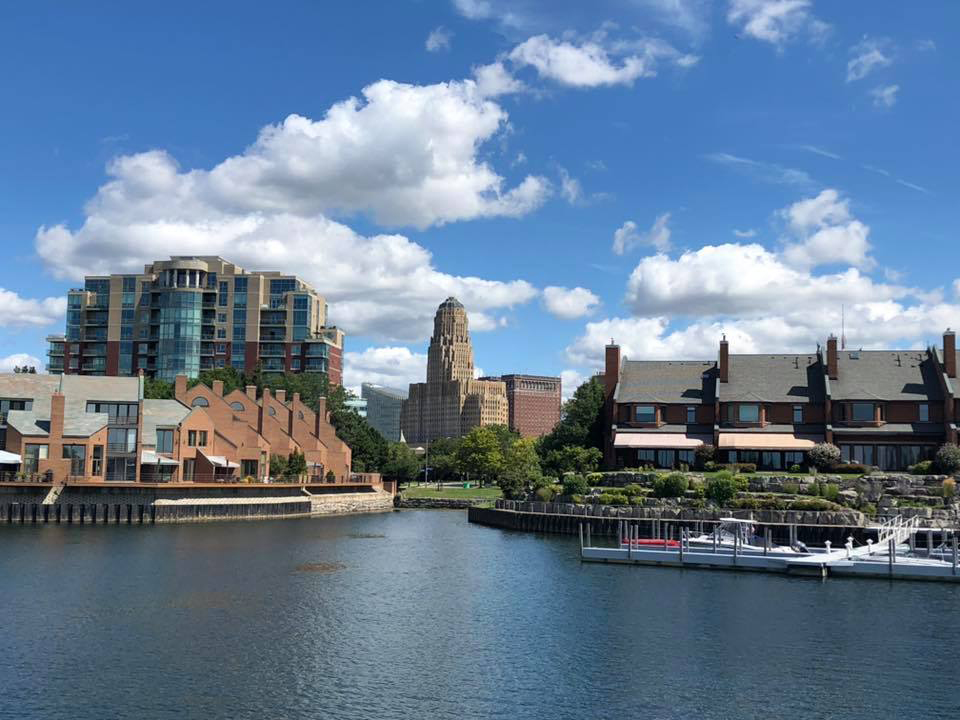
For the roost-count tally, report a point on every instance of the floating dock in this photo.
(894, 554)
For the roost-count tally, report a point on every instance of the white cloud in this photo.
(570, 380)
(627, 237)
(868, 55)
(824, 233)
(775, 21)
(8, 363)
(749, 233)
(820, 151)
(394, 367)
(596, 62)
(16, 311)
(570, 188)
(761, 171)
(438, 39)
(569, 303)
(494, 80)
(885, 96)
(693, 16)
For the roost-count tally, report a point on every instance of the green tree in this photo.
(479, 454)
(155, 389)
(369, 447)
(402, 463)
(278, 466)
(581, 424)
(575, 485)
(571, 458)
(296, 465)
(231, 378)
(521, 468)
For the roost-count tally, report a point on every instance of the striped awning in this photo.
(767, 441)
(665, 441)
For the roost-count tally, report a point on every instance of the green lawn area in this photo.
(491, 492)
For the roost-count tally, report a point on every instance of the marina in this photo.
(902, 550)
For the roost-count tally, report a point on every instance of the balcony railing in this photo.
(121, 448)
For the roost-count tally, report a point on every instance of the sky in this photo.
(657, 172)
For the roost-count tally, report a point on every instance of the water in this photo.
(421, 615)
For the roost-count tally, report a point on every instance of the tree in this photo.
(575, 485)
(582, 423)
(368, 446)
(296, 465)
(278, 466)
(571, 458)
(948, 459)
(479, 454)
(155, 389)
(402, 463)
(25, 369)
(521, 468)
(670, 486)
(824, 455)
(231, 378)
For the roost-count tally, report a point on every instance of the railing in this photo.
(25, 477)
(121, 448)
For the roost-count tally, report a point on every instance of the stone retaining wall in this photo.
(439, 503)
(351, 503)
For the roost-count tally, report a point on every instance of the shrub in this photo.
(577, 499)
(746, 503)
(924, 467)
(575, 485)
(636, 499)
(618, 499)
(948, 459)
(544, 494)
(868, 508)
(604, 498)
(704, 455)
(671, 485)
(795, 469)
(791, 488)
(850, 469)
(817, 504)
(722, 488)
(748, 467)
(830, 491)
(595, 478)
(633, 489)
(949, 488)
(710, 466)
(824, 455)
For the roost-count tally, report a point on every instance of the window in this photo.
(295, 349)
(645, 414)
(32, 456)
(924, 412)
(121, 440)
(97, 468)
(771, 460)
(77, 455)
(665, 458)
(248, 468)
(793, 458)
(748, 413)
(197, 438)
(797, 414)
(221, 317)
(295, 363)
(271, 410)
(221, 348)
(691, 414)
(200, 401)
(221, 333)
(862, 412)
(165, 440)
(238, 406)
(686, 457)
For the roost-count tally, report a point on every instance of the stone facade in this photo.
(451, 402)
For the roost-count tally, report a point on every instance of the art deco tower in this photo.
(450, 356)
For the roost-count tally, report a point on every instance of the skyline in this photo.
(745, 167)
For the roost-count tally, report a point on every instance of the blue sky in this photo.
(657, 171)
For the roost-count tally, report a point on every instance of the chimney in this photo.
(57, 402)
(321, 411)
(950, 353)
(724, 360)
(833, 369)
(611, 371)
(180, 386)
(218, 388)
(282, 396)
(296, 398)
(252, 392)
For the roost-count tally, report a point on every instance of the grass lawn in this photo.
(490, 492)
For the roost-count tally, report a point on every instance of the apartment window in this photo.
(123, 440)
(748, 413)
(295, 349)
(691, 414)
(221, 317)
(686, 457)
(221, 333)
(645, 414)
(200, 401)
(295, 364)
(797, 414)
(862, 412)
(32, 456)
(97, 469)
(793, 458)
(165, 441)
(77, 455)
(222, 296)
(220, 362)
(221, 348)
(924, 412)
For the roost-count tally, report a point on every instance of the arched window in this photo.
(200, 401)
(238, 406)
(271, 410)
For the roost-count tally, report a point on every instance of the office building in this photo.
(384, 408)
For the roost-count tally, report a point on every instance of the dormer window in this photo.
(645, 414)
(691, 414)
(748, 413)
(861, 412)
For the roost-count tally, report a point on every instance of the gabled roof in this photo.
(161, 413)
(31, 423)
(689, 382)
(908, 375)
(774, 379)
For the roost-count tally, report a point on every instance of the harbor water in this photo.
(418, 614)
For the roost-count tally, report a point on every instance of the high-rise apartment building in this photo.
(451, 401)
(188, 314)
(384, 407)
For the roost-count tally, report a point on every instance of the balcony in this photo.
(272, 336)
(274, 350)
(121, 448)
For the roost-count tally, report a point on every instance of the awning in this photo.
(767, 441)
(9, 458)
(148, 457)
(659, 440)
(220, 461)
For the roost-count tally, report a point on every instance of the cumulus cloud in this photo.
(627, 236)
(570, 380)
(16, 311)
(569, 303)
(776, 21)
(885, 96)
(494, 80)
(596, 62)
(394, 367)
(8, 363)
(693, 16)
(824, 232)
(438, 39)
(868, 55)
(748, 233)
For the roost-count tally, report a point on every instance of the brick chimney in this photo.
(833, 368)
(296, 398)
(950, 353)
(282, 396)
(218, 388)
(321, 412)
(180, 386)
(252, 392)
(57, 404)
(611, 370)
(724, 364)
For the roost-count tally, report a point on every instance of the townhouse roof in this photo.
(908, 375)
(161, 413)
(25, 386)
(31, 423)
(666, 381)
(781, 378)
